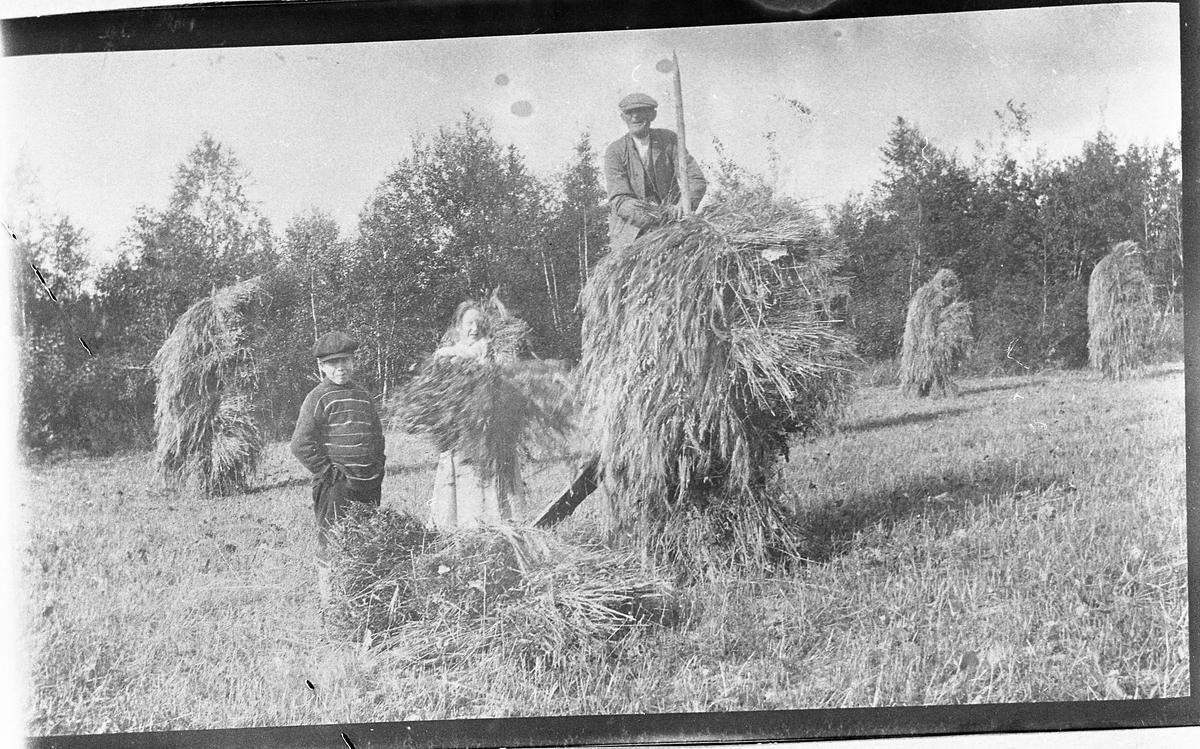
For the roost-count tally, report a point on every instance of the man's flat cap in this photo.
(333, 345)
(636, 101)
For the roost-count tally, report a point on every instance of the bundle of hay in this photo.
(937, 333)
(489, 410)
(207, 428)
(517, 592)
(1120, 312)
(705, 344)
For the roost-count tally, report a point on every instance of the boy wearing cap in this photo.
(639, 170)
(339, 439)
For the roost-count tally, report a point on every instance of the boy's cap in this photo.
(334, 345)
(636, 101)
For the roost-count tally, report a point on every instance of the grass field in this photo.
(1024, 541)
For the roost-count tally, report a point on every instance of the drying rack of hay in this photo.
(937, 333)
(705, 344)
(521, 593)
(1120, 312)
(489, 411)
(205, 417)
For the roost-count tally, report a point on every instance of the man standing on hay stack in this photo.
(643, 192)
(339, 439)
(639, 169)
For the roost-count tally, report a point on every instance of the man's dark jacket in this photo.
(629, 181)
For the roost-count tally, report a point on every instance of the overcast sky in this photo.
(320, 126)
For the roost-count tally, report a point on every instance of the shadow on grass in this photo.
(1158, 371)
(867, 425)
(279, 484)
(832, 526)
(392, 469)
(1002, 386)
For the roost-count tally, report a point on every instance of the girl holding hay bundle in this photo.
(466, 492)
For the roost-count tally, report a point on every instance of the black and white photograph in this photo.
(814, 377)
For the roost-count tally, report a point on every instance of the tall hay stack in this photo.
(1120, 312)
(208, 434)
(937, 332)
(705, 344)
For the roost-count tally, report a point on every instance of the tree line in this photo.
(1023, 238)
(460, 218)
(463, 216)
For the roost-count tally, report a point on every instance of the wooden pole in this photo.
(685, 199)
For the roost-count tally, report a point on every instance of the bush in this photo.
(876, 321)
(1167, 340)
(1015, 336)
(73, 400)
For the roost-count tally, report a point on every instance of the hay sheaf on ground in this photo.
(705, 344)
(1120, 312)
(937, 333)
(434, 596)
(208, 434)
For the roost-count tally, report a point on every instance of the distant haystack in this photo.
(705, 344)
(207, 431)
(1120, 312)
(936, 334)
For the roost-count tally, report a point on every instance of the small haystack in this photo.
(489, 411)
(207, 429)
(705, 344)
(936, 335)
(434, 596)
(1120, 312)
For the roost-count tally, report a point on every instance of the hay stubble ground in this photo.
(1024, 541)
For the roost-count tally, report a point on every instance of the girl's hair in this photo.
(461, 311)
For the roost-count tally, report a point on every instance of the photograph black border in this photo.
(250, 23)
(238, 24)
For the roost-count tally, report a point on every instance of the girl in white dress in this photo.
(461, 496)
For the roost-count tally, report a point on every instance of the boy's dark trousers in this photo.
(335, 497)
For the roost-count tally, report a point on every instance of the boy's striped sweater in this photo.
(338, 425)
